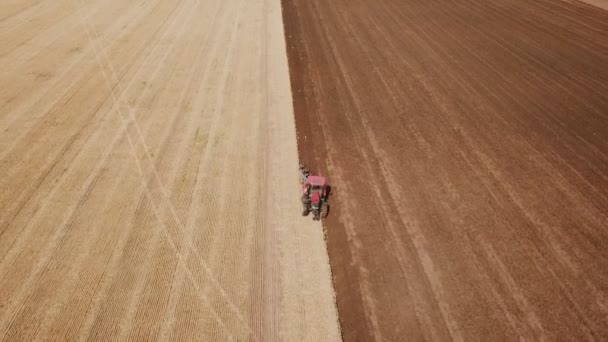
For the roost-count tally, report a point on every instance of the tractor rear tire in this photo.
(324, 210)
(305, 211)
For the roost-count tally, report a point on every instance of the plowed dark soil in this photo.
(467, 145)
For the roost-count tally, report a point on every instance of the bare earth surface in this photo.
(599, 3)
(467, 144)
(148, 176)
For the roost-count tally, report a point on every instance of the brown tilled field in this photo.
(148, 176)
(467, 145)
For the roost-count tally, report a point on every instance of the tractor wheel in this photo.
(305, 210)
(316, 215)
(325, 210)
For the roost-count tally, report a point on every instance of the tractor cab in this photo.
(317, 183)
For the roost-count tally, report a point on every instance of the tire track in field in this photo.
(60, 232)
(50, 168)
(57, 186)
(235, 309)
(232, 217)
(102, 103)
(167, 129)
(180, 267)
(133, 151)
(196, 74)
(135, 297)
(21, 120)
(42, 55)
(193, 215)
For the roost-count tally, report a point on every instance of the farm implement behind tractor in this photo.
(315, 193)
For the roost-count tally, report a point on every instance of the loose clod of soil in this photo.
(467, 145)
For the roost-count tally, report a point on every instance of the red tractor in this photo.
(315, 192)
